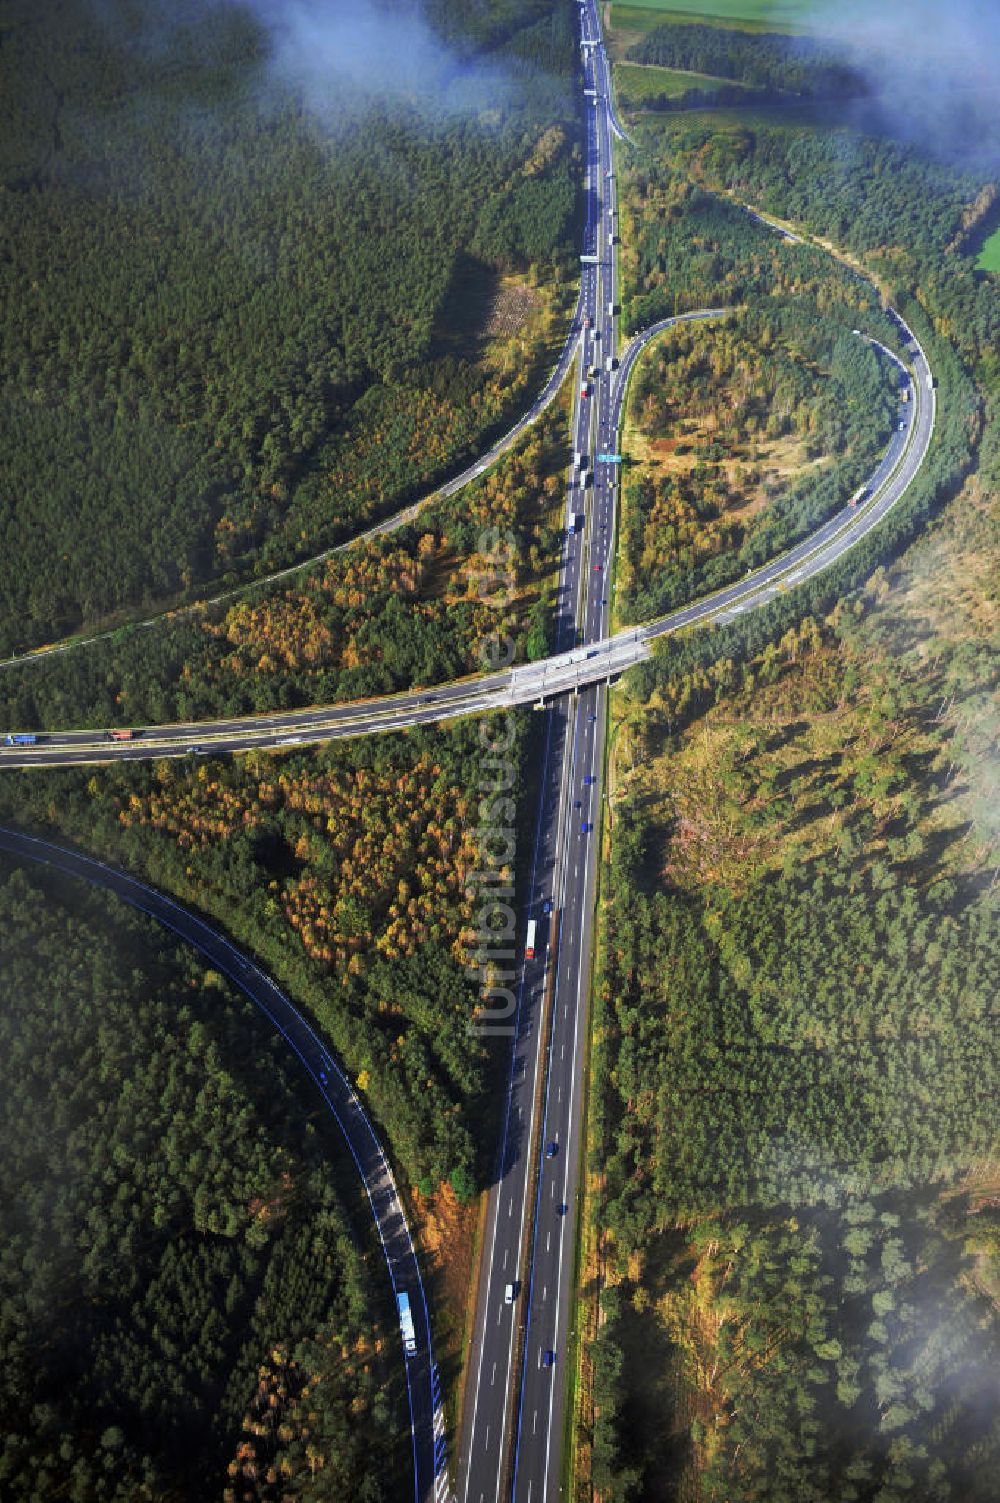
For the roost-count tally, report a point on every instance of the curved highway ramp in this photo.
(430, 1483)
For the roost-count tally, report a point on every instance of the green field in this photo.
(989, 257)
(748, 15)
(639, 81)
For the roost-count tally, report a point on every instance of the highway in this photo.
(333, 1087)
(602, 658)
(517, 1370)
(387, 525)
(515, 1411)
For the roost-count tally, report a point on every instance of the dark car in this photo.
(548, 1358)
(547, 907)
(591, 717)
(589, 780)
(587, 827)
(551, 1149)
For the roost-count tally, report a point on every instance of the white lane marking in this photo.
(505, 1252)
(493, 1376)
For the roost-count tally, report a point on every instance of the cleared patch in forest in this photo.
(640, 81)
(989, 256)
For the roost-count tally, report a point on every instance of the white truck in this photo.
(406, 1325)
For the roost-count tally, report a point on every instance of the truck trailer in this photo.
(406, 1325)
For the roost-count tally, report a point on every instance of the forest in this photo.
(346, 871)
(778, 65)
(794, 1135)
(388, 613)
(238, 323)
(797, 1125)
(741, 439)
(905, 214)
(188, 1305)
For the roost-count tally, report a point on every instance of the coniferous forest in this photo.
(222, 285)
(242, 317)
(794, 1230)
(188, 1302)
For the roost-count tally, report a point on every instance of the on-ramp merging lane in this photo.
(605, 657)
(515, 1414)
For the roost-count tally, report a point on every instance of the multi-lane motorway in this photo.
(517, 1363)
(514, 1415)
(570, 668)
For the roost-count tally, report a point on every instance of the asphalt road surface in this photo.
(515, 1400)
(430, 1481)
(388, 524)
(515, 1407)
(578, 664)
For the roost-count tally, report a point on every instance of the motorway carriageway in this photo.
(605, 657)
(515, 1410)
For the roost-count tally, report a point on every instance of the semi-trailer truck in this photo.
(20, 740)
(529, 943)
(406, 1324)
